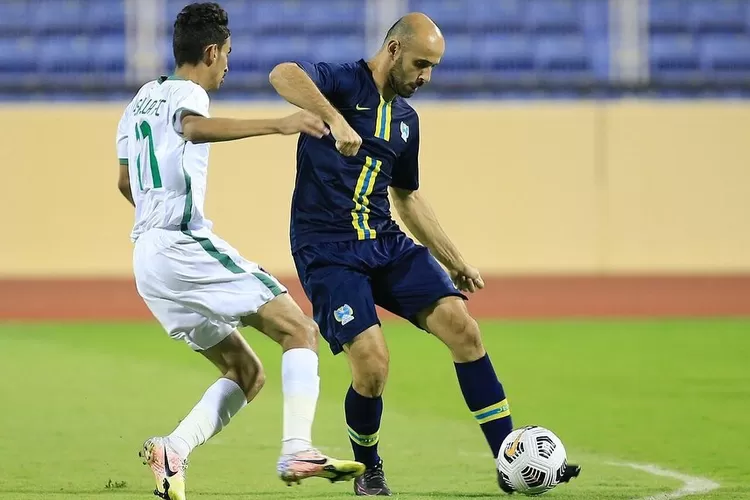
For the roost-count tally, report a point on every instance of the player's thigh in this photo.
(341, 296)
(183, 324)
(204, 274)
(412, 282)
(282, 320)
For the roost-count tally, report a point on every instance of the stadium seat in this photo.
(718, 16)
(271, 50)
(107, 54)
(105, 17)
(510, 56)
(64, 17)
(460, 54)
(337, 48)
(562, 55)
(496, 16)
(18, 55)
(555, 16)
(668, 16)
(673, 55)
(65, 54)
(451, 15)
(725, 56)
(14, 18)
(595, 17)
(349, 16)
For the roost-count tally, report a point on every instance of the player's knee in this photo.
(466, 339)
(249, 374)
(302, 334)
(370, 372)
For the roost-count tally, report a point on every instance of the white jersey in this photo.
(167, 173)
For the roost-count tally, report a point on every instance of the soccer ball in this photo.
(532, 460)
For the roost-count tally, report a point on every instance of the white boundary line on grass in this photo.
(692, 485)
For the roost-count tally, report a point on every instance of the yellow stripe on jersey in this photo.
(383, 121)
(363, 189)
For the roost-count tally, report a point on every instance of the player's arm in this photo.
(420, 219)
(307, 89)
(121, 144)
(123, 182)
(200, 129)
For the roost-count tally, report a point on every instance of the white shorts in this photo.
(197, 285)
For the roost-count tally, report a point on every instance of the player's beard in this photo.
(397, 80)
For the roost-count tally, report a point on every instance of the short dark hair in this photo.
(197, 26)
(401, 30)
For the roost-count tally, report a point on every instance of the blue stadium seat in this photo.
(725, 56)
(673, 56)
(14, 18)
(497, 15)
(107, 54)
(65, 54)
(460, 54)
(510, 55)
(718, 16)
(244, 56)
(64, 17)
(105, 17)
(451, 15)
(566, 55)
(335, 16)
(668, 16)
(337, 48)
(271, 50)
(555, 16)
(18, 55)
(595, 17)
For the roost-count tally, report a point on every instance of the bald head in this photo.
(412, 47)
(414, 26)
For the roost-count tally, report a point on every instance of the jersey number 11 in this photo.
(143, 133)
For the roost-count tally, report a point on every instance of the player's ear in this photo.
(211, 54)
(394, 46)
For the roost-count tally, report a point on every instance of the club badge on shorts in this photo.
(344, 314)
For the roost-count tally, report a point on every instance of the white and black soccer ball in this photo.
(532, 460)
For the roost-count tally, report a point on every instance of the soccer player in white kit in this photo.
(198, 287)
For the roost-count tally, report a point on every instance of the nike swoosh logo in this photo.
(360, 108)
(514, 446)
(316, 461)
(167, 470)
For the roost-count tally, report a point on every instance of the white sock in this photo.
(301, 387)
(212, 413)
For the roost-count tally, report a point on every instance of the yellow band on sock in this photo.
(492, 412)
(366, 440)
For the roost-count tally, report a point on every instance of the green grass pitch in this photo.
(76, 401)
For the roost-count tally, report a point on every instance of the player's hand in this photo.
(347, 140)
(303, 122)
(467, 278)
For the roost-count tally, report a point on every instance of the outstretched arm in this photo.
(199, 129)
(297, 86)
(421, 220)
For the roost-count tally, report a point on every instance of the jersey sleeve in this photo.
(122, 139)
(330, 78)
(406, 170)
(189, 100)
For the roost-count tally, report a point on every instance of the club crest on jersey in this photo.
(404, 131)
(344, 314)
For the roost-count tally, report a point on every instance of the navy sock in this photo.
(485, 397)
(363, 418)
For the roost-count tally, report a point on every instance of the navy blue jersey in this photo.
(340, 198)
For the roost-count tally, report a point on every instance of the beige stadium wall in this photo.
(524, 188)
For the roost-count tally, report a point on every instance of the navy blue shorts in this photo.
(345, 280)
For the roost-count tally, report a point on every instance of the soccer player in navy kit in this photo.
(349, 253)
